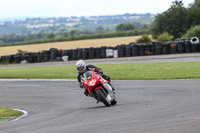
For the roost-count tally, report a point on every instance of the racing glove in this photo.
(81, 85)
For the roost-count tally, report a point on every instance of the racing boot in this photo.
(106, 77)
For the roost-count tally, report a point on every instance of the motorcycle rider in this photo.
(82, 68)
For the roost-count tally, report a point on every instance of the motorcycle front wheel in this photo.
(102, 97)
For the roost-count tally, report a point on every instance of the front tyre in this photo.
(102, 97)
(114, 102)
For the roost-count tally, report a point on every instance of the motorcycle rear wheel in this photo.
(102, 97)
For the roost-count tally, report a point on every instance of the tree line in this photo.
(178, 20)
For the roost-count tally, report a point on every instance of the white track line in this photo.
(25, 113)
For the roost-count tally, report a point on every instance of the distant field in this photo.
(69, 44)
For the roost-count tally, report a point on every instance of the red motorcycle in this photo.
(99, 88)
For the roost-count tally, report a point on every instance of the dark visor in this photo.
(80, 68)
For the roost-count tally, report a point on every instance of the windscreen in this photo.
(87, 75)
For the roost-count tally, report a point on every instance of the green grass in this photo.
(129, 71)
(7, 114)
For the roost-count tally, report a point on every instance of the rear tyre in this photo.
(102, 97)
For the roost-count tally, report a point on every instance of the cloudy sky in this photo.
(67, 8)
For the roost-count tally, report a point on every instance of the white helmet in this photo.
(81, 66)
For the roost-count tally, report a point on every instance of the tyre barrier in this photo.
(128, 51)
(194, 40)
(141, 48)
(181, 48)
(122, 50)
(166, 48)
(188, 46)
(46, 55)
(79, 54)
(97, 53)
(173, 48)
(74, 54)
(147, 49)
(135, 50)
(103, 52)
(110, 52)
(195, 47)
(85, 54)
(91, 53)
(158, 48)
(53, 54)
(70, 54)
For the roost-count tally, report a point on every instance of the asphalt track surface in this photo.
(149, 106)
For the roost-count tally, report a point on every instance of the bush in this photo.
(165, 37)
(192, 32)
(144, 39)
(21, 51)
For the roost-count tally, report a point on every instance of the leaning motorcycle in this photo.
(99, 88)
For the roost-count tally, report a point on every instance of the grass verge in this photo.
(7, 114)
(129, 71)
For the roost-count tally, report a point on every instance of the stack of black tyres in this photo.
(24, 57)
(103, 51)
(135, 50)
(85, 54)
(195, 45)
(98, 53)
(35, 57)
(79, 54)
(141, 49)
(70, 56)
(166, 48)
(46, 55)
(53, 54)
(173, 48)
(121, 50)
(181, 47)
(187, 46)
(39, 57)
(11, 59)
(153, 48)
(91, 53)
(128, 51)
(30, 57)
(17, 58)
(74, 54)
(147, 49)
(158, 48)
(42, 56)
(65, 53)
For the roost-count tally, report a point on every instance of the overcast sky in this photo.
(67, 8)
